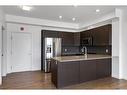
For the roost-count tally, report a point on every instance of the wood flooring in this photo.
(41, 80)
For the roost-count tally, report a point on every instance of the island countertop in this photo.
(81, 57)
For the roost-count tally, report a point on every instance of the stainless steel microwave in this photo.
(87, 41)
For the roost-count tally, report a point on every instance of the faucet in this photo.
(84, 50)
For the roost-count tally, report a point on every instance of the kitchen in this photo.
(79, 46)
(62, 53)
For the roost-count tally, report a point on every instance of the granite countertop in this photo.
(81, 57)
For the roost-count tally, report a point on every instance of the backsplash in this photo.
(66, 50)
(98, 49)
(70, 50)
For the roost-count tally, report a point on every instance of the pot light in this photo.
(97, 10)
(73, 19)
(26, 8)
(60, 17)
(75, 5)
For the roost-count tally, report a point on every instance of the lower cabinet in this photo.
(74, 72)
(68, 73)
(87, 70)
(103, 68)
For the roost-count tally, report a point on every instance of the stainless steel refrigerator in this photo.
(52, 48)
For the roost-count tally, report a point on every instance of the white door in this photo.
(0, 53)
(21, 52)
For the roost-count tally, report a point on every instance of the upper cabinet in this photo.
(49, 33)
(70, 39)
(67, 38)
(77, 39)
(100, 35)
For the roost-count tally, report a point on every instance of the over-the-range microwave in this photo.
(87, 41)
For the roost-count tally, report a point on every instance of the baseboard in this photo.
(0, 80)
(36, 69)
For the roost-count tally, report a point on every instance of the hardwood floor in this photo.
(28, 80)
(40, 80)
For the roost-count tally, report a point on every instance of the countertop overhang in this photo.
(81, 57)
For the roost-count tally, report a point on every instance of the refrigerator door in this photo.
(48, 53)
(48, 48)
(56, 47)
(52, 49)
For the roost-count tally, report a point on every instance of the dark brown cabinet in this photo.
(87, 70)
(73, 72)
(67, 38)
(100, 35)
(77, 39)
(103, 67)
(68, 73)
(70, 39)
(54, 71)
(49, 33)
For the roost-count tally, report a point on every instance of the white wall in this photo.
(119, 48)
(2, 23)
(36, 43)
(123, 45)
(115, 48)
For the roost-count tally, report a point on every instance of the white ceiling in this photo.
(81, 13)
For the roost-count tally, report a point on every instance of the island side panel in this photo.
(54, 70)
(103, 67)
(68, 73)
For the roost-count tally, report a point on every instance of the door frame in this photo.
(31, 48)
(1, 43)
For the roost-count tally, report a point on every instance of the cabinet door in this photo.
(103, 67)
(102, 35)
(67, 38)
(85, 34)
(76, 39)
(68, 73)
(87, 70)
(52, 34)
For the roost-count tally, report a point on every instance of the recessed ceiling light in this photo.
(75, 5)
(26, 8)
(60, 17)
(73, 19)
(97, 10)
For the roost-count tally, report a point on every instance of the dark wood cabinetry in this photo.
(54, 71)
(49, 33)
(103, 67)
(87, 70)
(70, 39)
(101, 35)
(65, 73)
(68, 73)
(77, 39)
(73, 72)
(67, 38)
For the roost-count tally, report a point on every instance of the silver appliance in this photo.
(87, 41)
(52, 49)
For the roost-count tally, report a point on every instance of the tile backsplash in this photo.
(68, 50)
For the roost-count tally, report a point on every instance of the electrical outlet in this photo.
(65, 50)
(106, 50)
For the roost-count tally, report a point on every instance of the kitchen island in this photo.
(69, 70)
